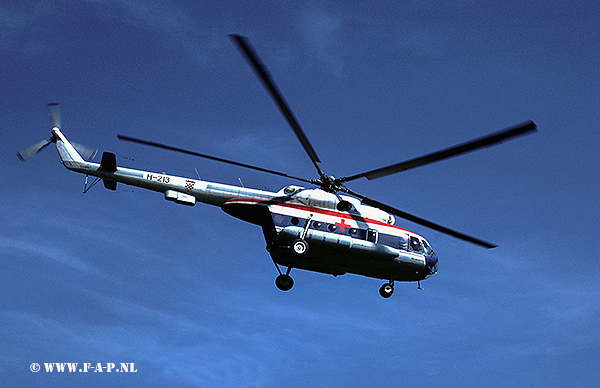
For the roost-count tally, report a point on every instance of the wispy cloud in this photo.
(54, 253)
(321, 30)
(173, 25)
(553, 317)
(16, 26)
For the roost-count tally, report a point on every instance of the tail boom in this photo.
(178, 189)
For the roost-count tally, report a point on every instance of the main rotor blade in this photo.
(193, 153)
(486, 141)
(263, 74)
(421, 221)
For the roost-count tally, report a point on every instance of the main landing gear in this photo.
(284, 282)
(387, 289)
(299, 248)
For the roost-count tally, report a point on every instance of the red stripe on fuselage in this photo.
(320, 211)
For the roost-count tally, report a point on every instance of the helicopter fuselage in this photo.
(358, 239)
(312, 229)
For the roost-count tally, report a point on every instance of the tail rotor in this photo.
(30, 152)
(54, 112)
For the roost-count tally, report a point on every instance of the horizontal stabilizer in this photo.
(109, 162)
(111, 185)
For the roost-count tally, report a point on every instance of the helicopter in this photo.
(328, 228)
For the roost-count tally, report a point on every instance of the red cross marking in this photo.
(343, 225)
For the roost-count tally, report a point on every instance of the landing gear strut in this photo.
(300, 246)
(387, 289)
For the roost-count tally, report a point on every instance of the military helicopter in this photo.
(329, 229)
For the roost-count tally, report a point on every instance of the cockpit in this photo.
(431, 260)
(421, 246)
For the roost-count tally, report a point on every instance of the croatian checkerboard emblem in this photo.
(189, 185)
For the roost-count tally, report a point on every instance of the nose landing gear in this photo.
(387, 289)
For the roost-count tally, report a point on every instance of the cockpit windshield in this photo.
(431, 260)
(428, 250)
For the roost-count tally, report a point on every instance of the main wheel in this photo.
(300, 247)
(284, 282)
(386, 290)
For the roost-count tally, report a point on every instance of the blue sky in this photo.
(188, 294)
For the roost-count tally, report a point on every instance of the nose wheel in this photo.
(387, 289)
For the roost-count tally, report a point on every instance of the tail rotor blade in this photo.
(30, 152)
(54, 111)
(86, 152)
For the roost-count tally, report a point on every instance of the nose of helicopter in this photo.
(431, 265)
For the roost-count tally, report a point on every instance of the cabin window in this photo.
(352, 232)
(415, 245)
(295, 221)
(332, 227)
(372, 235)
(317, 224)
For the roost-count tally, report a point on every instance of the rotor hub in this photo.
(330, 184)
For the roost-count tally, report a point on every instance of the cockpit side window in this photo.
(415, 245)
